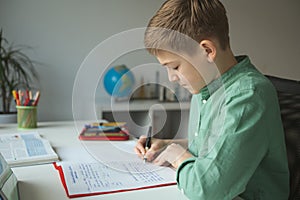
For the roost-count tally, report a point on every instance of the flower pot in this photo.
(8, 118)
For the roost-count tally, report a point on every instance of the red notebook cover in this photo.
(62, 177)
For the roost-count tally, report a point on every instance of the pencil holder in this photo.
(27, 117)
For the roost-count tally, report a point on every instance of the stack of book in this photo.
(8, 181)
(105, 131)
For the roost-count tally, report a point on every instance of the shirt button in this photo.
(182, 191)
(196, 133)
(204, 101)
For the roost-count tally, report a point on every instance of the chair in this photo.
(289, 100)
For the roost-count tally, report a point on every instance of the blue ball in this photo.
(119, 81)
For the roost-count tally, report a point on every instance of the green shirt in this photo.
(237, 139)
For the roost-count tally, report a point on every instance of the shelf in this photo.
(144, 105)
(168, 119)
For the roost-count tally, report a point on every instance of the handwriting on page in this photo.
(140, 172)
(97, 177)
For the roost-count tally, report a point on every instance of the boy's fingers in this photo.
(150, 155)
(143, 137)
(139, 148)
(154, 152)
(138, 152)
(159, 160)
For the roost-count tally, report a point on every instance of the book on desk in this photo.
(87, 179)
(114, 167)
(8, 182)
(26, 148)
(116, 131)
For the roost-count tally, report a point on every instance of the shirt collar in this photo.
(208, 90)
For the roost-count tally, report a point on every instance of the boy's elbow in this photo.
(196, 185)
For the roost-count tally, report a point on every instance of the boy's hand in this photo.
(157, 146)
(174, 154)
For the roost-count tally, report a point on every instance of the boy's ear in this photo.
(209, 49)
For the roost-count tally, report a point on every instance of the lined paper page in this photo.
(83, 178)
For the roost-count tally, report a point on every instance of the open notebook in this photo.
(26, 148)
(114, 167)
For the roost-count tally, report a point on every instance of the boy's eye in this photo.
(171, 67)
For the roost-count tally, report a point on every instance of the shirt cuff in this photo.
(181, 166)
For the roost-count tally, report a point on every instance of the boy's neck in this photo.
(225, 60)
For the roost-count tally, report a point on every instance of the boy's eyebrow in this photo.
(166, 63)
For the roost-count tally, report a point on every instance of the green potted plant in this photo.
(16, 71)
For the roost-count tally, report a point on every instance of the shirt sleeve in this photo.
(223, 173)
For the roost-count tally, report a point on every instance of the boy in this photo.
(236, 143)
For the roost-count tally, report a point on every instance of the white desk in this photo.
(42, 182)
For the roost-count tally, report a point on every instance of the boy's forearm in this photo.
(182, 142)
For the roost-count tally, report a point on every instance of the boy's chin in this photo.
(192, 91)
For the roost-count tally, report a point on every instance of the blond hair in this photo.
(178, 21)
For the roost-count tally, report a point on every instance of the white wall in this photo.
(63, 32)
(269, 32)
